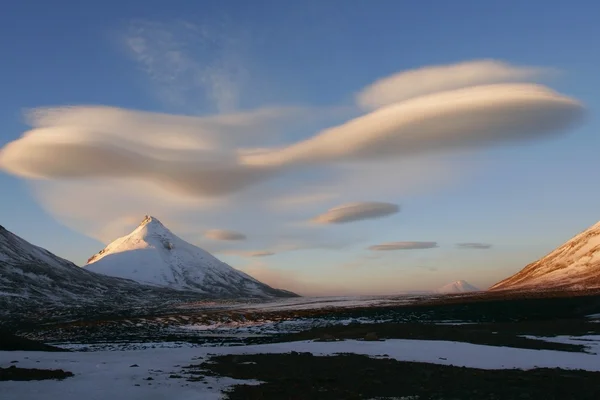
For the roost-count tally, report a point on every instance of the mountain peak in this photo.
(150, 220)
(154, 255)
(150, 226)
(460, 286)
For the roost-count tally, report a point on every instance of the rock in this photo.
(327, 338)
(14, 362)
(149, 378)
(371, 337)
(133, 366)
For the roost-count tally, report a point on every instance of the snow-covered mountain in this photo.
(153, 255)
(33, 279)
(574, 266)
(457, 287)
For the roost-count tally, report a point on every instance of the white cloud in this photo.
(463, 118)
(224, 234)
(403, 246)
(356, 212)
(427, 80)
(190, 155)
(115, 142)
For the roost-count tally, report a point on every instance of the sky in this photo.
(326, 147)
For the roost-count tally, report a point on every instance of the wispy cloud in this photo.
(403, 246)
(480, 246)
(192, 65)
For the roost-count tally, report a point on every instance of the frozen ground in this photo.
(110, 375)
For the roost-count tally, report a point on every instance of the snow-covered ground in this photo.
(109, 375)
(594, 317)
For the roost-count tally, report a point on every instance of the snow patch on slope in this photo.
(575, 265)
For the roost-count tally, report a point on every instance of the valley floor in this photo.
(203, 373)
(298, 349)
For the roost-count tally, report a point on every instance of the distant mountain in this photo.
(153, 255)
(33, 279)
(573, 266)
(457, 287)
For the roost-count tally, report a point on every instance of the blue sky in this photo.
(220, 57)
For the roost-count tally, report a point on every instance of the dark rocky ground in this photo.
(520, 313)
(302, 376)
(10, 342)
(14, 373)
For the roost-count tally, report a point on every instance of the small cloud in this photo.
(356, 212)
(473, 245)
(253, 254)
(222, 234)
(260, 253)
(403, 246)
(427, 268)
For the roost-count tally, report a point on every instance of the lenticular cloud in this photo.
(356, 212)
(453, 107)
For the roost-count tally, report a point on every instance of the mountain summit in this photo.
(457, 287)
(573, 266)
(152, 254)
